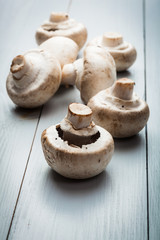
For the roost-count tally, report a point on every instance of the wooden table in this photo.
(124, 201)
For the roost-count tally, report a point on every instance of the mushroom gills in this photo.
(75, 140)
(49, 29)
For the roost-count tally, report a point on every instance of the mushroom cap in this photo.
(33, 79)
(124, 53)
(77, 162)
(64, 49)
(98, 72)
(60, 24)
(122, 117)
(77, 153)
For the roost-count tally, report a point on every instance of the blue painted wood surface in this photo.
(124, 201)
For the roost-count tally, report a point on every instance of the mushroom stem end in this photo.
(79, 115)
(123, 88)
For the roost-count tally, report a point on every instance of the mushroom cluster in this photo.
(119, 110)
(124, 53)
(60, 24)
(76, 147)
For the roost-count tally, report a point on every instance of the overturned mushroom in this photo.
(124, 53)
(77, 148)
(119, 110)
(60, 24)
(94, 72)
(64, 49)
(33, 79)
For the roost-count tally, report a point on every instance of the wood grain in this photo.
(17, 125)
(112, 205)
(153, 98)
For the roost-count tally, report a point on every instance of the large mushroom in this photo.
(119, 110)
(33, 79)
(124, 53)
(35, 76)
(64, 49)
(77, 148)
(92, 73)
(60, 24)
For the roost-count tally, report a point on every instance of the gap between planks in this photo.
(146, 129)
(24, 172)
(69, 6)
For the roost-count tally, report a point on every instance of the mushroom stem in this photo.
(112, 39)
(58, 17)
(79, 115)
(24, 68)
(19, 67)
(123, 89)
(71, 73)
(68, 74)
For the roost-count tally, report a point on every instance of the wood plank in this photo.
(17, 125)
(153, 98)
(112, 205)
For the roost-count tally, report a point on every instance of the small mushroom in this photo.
(33, 79)
(77, 148)
(119, 110)
(124, 53)
(64, 49)
(60, 24)
(94, 72)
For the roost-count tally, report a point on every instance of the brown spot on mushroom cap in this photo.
(61, 25)
(123, 53)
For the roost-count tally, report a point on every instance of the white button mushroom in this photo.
(124, 53)
(64, 49)
(94, 72)
(119, 110)
(60, 24)
(77, 148)
(33, 79)
(35, 76)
